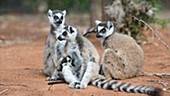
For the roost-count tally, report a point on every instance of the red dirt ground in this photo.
(21, 45)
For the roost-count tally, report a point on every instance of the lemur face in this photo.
(104, 29)
(66, 61)
(68, 33)
(56, 17)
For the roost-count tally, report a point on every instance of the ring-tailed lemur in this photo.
(67, 68)
(102, 82)
(67, 44)
(71, 46)
(84, 54)
(57, 22)
(122, 57)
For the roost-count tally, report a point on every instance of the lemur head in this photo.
(104, 29)
(68, 33)
(66, 61)
(56, 17)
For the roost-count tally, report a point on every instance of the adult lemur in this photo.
(122, 57)
(67, 44)
(57, 22)
(84, 54)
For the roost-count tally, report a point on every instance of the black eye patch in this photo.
(65, 33)
(103, 30)
(110, 26)
(55, 17)
(62, 17)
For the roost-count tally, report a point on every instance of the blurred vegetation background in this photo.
(36, 6)
(88, 10)
(41, 6)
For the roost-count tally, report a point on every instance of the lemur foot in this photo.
(77, 85)
(52, 79)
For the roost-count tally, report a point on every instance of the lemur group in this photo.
(71, 57)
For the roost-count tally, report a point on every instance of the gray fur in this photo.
(89, 72)
(86, 61)
(48, 54)
(122, 57)
(105, 83)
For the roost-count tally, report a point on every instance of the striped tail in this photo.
(127, 87)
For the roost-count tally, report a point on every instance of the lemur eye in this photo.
(55, 17)
(103, 30)
(65, 33)
(110, 26)
(61, 17)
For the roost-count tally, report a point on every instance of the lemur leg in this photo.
(77, 59)
(68, 75)
(55, 73)
(104, 54)
(107, 66)
(91, 71)
(49, 67)
(54, 76)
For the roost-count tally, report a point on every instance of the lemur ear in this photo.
(71, 29)
(109, 24)
(69, 58)
(64, 12)
(50, 12)
(97, 22)
(89, 31)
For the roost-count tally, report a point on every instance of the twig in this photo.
(155, 32)
(3, 91)
(49, 87)
(163, 83)
(55, 82)
(162, 75)
(51, 83)
(13, 85)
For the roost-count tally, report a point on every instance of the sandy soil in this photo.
(21, 45)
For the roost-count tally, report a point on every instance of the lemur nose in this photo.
(59, 22)
(60, 38)
(98, 35)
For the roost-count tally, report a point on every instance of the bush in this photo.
(121, 12)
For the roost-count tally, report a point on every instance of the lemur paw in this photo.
(81, 86)
(74, 85)
(77, 85)
(52, 78)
